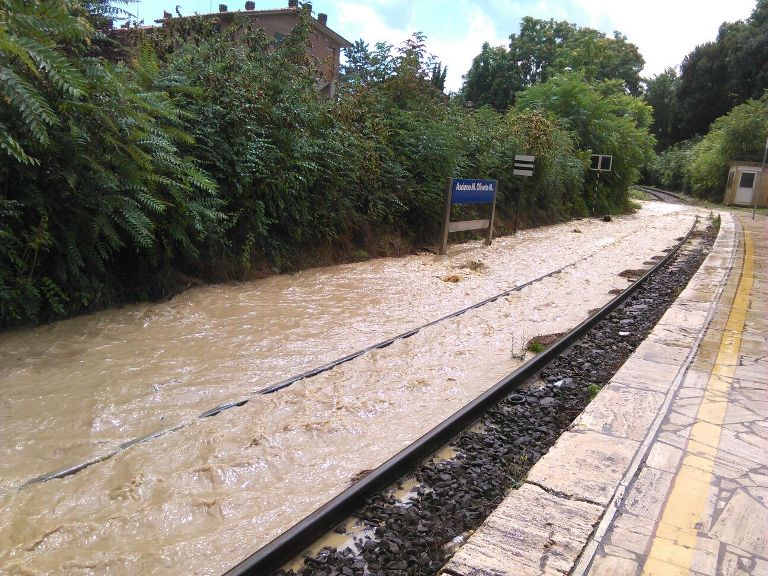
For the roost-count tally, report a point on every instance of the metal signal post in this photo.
(523, 167)
(756, 191)
(599, 163)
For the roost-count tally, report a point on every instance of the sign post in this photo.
(523, 167)
(599, 163)
(468, 191)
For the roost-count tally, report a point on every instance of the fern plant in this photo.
(30, 59)
(97, 202)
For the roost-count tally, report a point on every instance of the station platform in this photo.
(666, 472)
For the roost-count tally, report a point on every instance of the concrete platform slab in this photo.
(521, 539)
(622, 412)
(584, 466)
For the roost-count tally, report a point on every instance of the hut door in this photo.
(744, 191)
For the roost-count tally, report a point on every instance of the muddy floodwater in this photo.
(199, 499)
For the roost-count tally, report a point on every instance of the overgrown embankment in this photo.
(209, 154)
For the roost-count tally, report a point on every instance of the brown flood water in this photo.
(199, 499)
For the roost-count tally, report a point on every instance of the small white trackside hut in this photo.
(744, 179)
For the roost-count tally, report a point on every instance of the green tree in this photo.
(544, 48)
(101, 205)
(722, 74)
(491, 81)
(534, 51)
(739, 135)
(605, 120)
(439, 74)
(661, 94)
(358, 68)
(746, 54)
(30, 65)
(703, 90)
(599, 57)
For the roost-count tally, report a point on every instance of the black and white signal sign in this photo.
(523, 165)
(600, 162)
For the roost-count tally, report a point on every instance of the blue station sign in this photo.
(471, 191)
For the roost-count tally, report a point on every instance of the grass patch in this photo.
(536, 346)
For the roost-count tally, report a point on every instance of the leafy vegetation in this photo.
(98, 204)
(31, 68)
(701, 165)
(719, 75)
(714, 78)
(661, 94)
(205, 151)
(544, 49)
(740, 134)
(605, 120)
(714, 111)
(536, 347)
(670, 169)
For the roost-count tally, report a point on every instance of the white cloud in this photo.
(665, 31)
(458, 53)
(455, 51)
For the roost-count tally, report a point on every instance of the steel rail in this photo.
(299, 537)
(663, 195)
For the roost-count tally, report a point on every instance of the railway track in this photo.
(275, 387)
(499, 318)
(269, 389)
(664, 196)
(496, 438)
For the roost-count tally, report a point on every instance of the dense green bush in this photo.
(605, 120)
(670, 168)
(493, 139)
(97, 203)
(261, 131)
(739, 135)
(209, 149)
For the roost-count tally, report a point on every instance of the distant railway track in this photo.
(370, 499)
(664, 196)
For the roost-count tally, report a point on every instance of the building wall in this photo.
(734, 177)
(323, 49)
(324, 44)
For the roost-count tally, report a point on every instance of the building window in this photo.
(279, 36)
(747, 180)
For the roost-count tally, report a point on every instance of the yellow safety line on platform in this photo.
(674, 542)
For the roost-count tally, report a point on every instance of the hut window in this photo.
(747, 180)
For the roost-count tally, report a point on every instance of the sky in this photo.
(663, 30)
